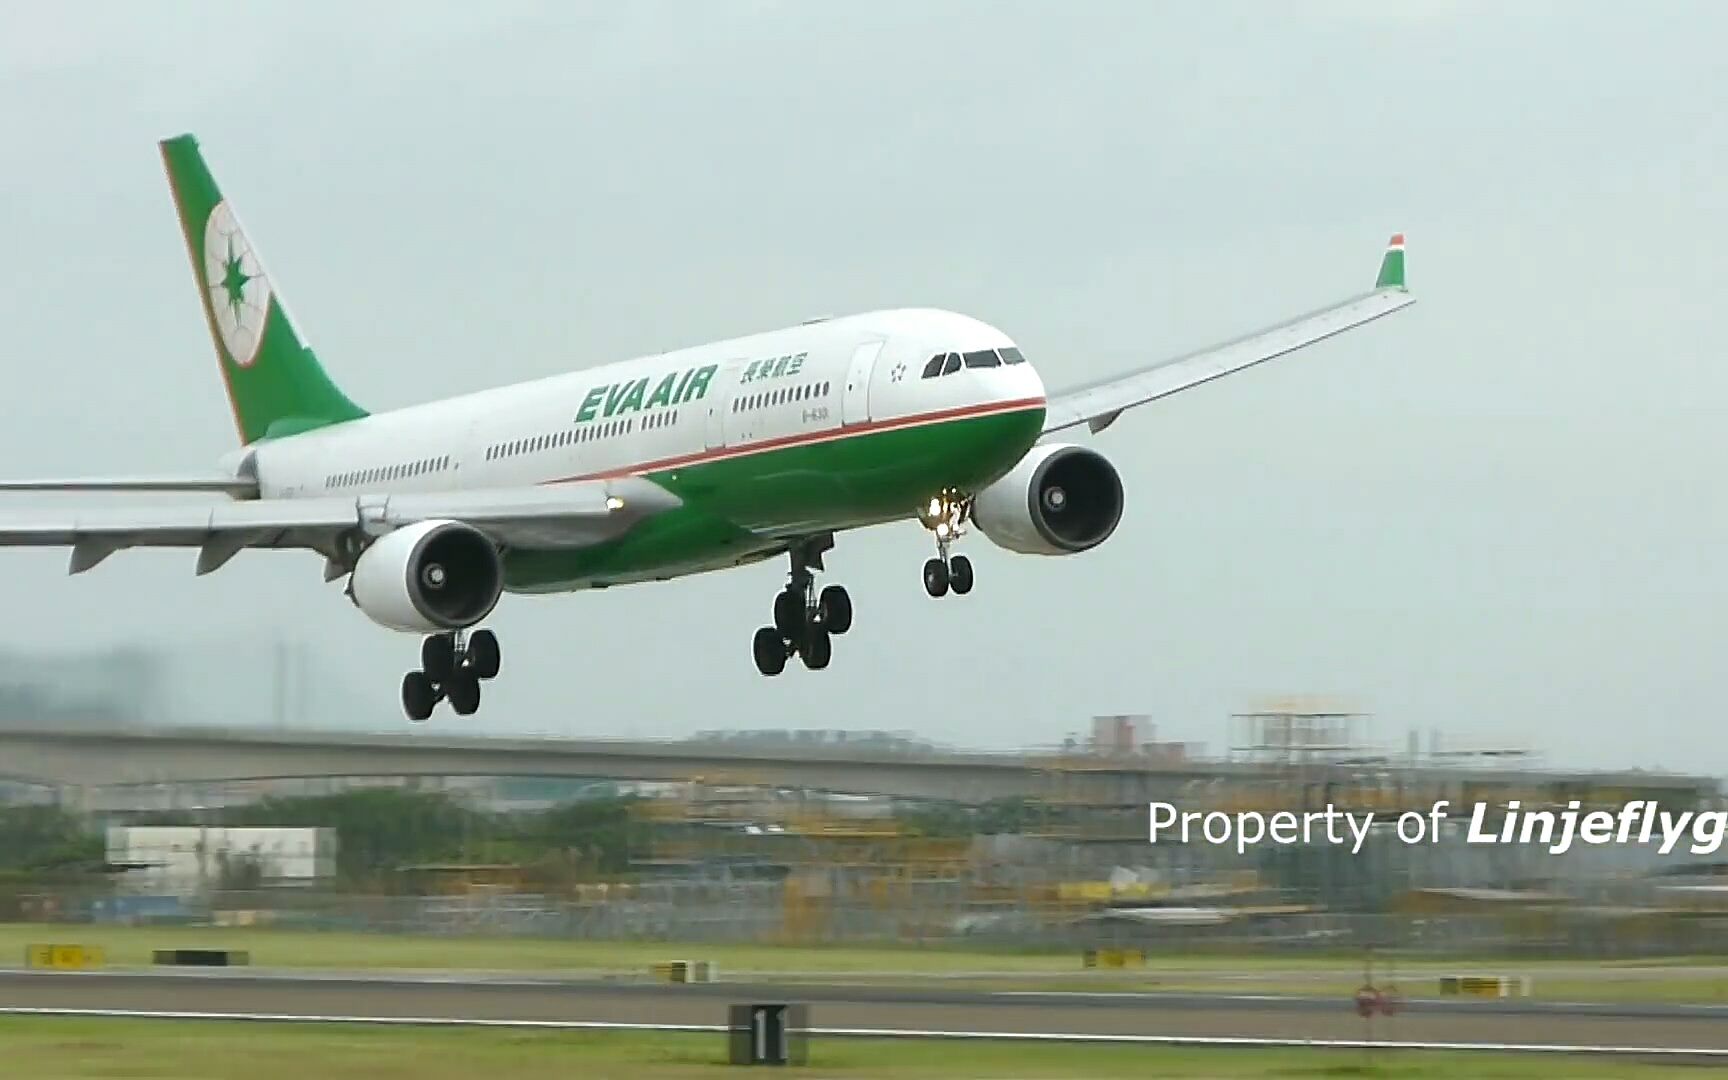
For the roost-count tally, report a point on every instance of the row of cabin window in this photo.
(388, 472)
(572, 436)
(949, 363)
(779, 397)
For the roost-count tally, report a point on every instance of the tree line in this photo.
(381, 833)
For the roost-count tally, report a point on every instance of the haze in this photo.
(1496, 515)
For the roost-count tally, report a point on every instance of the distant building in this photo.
(72, 691)
(1130, 735)
(186, 859)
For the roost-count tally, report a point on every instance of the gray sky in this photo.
(1494, 514)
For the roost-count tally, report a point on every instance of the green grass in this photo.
(87, 1049)
(1676, 980)
(129, 946)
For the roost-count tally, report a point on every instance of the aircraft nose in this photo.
(1034, 381)
(1027, 382)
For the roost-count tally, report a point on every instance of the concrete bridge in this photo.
(103, 759)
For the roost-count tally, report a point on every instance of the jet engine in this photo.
(428, 577)
(1059, 500)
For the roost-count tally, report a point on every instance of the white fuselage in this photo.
(589, 423)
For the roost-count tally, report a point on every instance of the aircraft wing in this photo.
(237, 486)
(1098, 404)
(570, 515)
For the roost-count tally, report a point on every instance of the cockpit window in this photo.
(949, 363)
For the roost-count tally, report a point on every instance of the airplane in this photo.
(649, 469)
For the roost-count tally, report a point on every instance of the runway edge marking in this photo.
(879, 1033)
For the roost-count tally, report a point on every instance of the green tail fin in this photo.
(275, 383)
(1392, 265)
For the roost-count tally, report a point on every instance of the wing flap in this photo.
(555, 515)
(1098, 405)
(239, 487)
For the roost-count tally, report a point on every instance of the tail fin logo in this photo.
(237, 289)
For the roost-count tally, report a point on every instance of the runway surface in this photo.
(1186, 1015)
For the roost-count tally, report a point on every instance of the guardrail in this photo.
(1245, 1042)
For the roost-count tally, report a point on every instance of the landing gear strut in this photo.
(946, 516)
(805, 620)
(452, 666)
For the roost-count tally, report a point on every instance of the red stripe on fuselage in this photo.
(809, 438)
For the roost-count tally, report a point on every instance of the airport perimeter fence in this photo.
(745, 912)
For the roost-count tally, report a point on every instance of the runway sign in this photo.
(685, 971)
(1494, 986)
(63, 957)
(768, 1034)
(1114, 958)
(201, 958)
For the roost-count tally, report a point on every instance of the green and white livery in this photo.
(648, 469)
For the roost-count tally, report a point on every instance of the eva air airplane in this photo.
(648, 469)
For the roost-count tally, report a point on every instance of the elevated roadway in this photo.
(136, 756)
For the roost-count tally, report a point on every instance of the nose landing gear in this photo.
(946, 516)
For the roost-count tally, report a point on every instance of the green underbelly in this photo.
(741, 508)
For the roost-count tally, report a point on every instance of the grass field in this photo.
(1691, 979)
(87, 1049)
(126, 946)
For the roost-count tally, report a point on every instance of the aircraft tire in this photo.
(463, 690)
(960, 575)
(483, 655)
(418, 696)
(789, 614)
(936, 577)
(818, 649)
(836, 607)
(769, 650)
(438, 658)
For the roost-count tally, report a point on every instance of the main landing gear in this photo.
(805, 621)
(452, 666)
(946, 516)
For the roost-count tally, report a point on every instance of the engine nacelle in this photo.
(1059, 500)
(428, 577)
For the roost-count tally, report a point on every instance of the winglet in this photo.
(1392, 265)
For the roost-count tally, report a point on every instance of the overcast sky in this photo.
(1496, 514)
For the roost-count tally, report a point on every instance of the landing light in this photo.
(613, 502)
(935, 507)
(942, 530)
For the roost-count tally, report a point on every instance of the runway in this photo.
(1183, 1015)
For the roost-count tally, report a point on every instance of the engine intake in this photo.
(1060, 499)
(428, 577)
